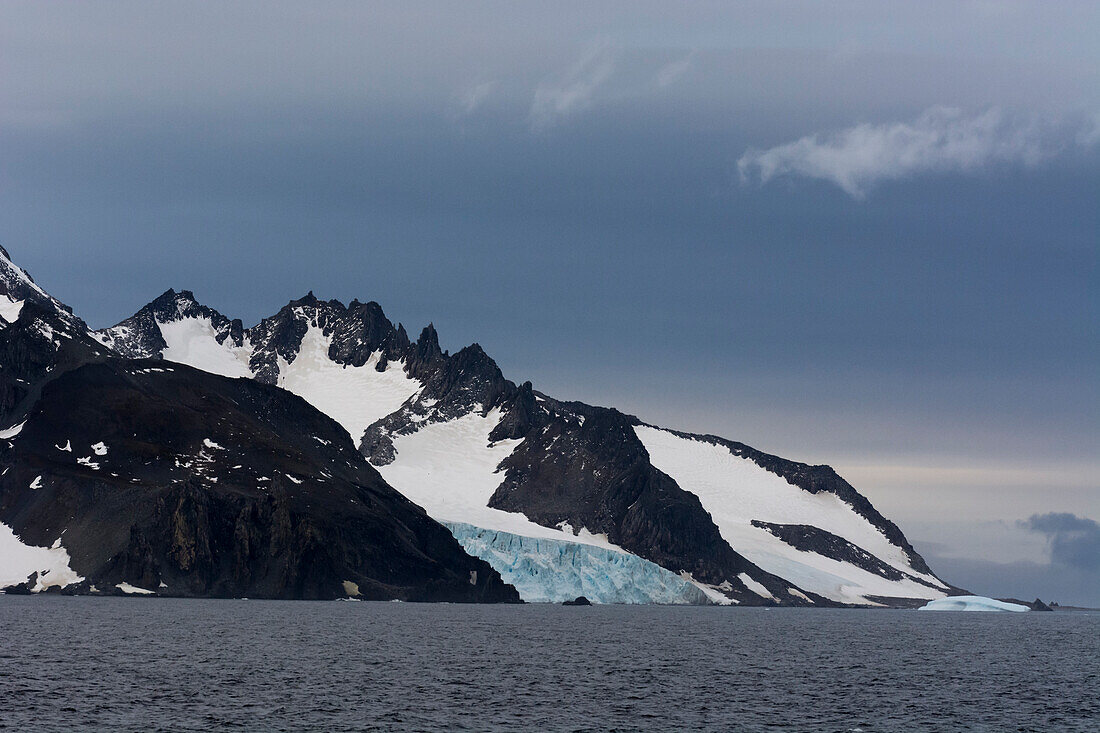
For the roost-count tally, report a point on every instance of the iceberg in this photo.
(552, 571)
(971, 603)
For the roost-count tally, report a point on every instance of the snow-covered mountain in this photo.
(561, 498)
(123, 475)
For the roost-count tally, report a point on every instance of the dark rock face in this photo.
(17, 285)
(586, 467)
(44, 338)
(808, 538)
(191, 484)
(1036, 605)
(578, 601)
(139, 335)
(453, 386)
(41, 343)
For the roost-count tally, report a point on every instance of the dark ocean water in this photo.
(182, 665)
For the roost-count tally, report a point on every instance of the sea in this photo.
(153, 664)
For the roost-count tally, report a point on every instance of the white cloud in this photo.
(471, 98)
(941, 140)
(670, 73)
(576, 89)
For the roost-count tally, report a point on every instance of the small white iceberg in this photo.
(971, 603)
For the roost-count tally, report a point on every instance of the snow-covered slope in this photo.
(736, 491)
(193, 341)
(17, 287)
(354, 396)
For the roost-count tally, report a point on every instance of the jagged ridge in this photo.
(574, 464)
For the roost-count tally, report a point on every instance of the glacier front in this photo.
(551, 571)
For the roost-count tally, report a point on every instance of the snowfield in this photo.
(193, 341)
(736, 491)
(355, 397)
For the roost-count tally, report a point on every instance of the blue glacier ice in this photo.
(971, 603)
(552, 571)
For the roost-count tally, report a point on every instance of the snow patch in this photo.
(18, 561)
(715, 594)
(133, 589)
(10, 308)
(12, 431)
(800, 594)
(211, 444)
(68, 447)
(755, 586)
(37, 483)
(100, 449)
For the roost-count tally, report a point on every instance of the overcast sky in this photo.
(856, 233)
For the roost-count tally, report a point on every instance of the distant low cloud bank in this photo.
(940, 140)
(1074, 540)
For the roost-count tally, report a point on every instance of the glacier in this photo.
(971, 603)
(551, 571)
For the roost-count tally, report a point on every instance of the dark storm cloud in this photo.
(1074, 541)
(561, 184)
(1023, 580)
(1068, 571)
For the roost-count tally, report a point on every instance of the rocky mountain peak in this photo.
(17, 287)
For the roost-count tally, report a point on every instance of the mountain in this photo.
(561, 498)
(123, 475)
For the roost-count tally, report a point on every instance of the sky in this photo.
(857, 233)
